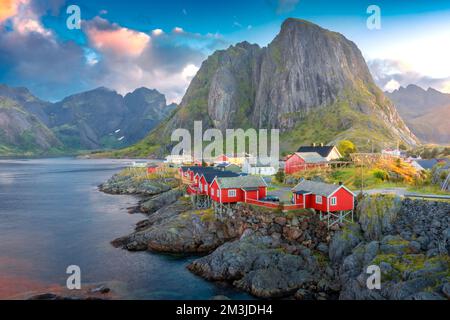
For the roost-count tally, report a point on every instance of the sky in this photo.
(124, 45)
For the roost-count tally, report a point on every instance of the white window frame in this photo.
(206, 188)
(212, 192)
(318, 199)
(201, 187)
(232, 193)
(333, 201)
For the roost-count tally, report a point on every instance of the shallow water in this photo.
(53, 216)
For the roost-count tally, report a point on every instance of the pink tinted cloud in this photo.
(9, 8)
(119, 40)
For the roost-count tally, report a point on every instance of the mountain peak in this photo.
(306, 68)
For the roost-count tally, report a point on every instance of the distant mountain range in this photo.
(310, 82)
(97, 119)
(426, 112)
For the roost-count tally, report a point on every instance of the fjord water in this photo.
(53, 216)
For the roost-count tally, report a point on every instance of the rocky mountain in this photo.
(426, 112)
(97, 119)
(311, 83)
(21, 132)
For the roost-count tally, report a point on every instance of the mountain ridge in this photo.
(96, 119)
(426, 112)
(305, 70)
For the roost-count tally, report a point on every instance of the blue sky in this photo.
(161, 44)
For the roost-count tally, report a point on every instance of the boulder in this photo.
(377, 215)
(343, 242)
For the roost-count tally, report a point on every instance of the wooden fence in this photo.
(272, 205)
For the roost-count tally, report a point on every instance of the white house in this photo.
(179, 159)
(258, 168)
(392, 152)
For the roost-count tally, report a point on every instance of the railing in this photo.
(271, 205)
(262, 203)
(427, 196)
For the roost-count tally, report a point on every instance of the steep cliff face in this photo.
(22, 133)
(311, 83)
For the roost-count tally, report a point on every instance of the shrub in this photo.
(346, 147)
(380, 174)
(280, 176)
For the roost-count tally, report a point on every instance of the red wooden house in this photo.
(208, 177)
(152, 168)
(323, 197)
(237, 189)
(301, 161)
(190, 173)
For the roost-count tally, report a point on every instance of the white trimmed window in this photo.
(232, 193)
(206, 188)
(212, 191)
(201, 187)
(333, 201)
(319, 199)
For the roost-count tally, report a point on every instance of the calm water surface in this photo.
(53, 216)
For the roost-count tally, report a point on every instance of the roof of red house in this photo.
(318, 188)
(242, 182)
(211, 175)
(197, 169)
(311, 157)
(324, 151)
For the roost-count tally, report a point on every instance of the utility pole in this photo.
(362, 175)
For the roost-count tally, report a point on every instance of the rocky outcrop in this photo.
(344, 241)
(259, 265)
(177, 228)
(408, 240)
(377, 215)
(124, 183)
(161, 200)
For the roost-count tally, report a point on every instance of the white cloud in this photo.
(390, 74)
(190, 71)
(157, 32)
(391, 85)
(178, 30)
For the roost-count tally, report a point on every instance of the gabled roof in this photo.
(311, 157)
(200, 170)
(210, 176)
(319, 188)
(242, 182)
(324, 151)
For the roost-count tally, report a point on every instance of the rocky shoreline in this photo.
(271, 254)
